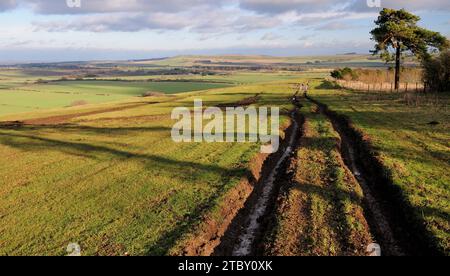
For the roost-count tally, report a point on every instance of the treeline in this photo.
(434, 74)
(411, 75)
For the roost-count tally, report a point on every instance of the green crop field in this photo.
(16, 98)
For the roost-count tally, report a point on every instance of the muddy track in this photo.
(385, 210)
(243, 237)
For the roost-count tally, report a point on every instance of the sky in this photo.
(73, 30)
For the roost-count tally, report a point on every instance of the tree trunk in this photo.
(397, 66)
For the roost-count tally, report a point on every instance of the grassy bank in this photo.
(412, 142)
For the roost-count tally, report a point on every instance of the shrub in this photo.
(344, 74)
(437, 72)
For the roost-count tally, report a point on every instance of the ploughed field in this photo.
(108, 176)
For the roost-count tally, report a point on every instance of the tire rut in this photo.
(244, 236)
(378, 217)
(247, 234)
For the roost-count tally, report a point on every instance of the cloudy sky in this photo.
(55, 30)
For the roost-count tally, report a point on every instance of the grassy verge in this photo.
(413, 153)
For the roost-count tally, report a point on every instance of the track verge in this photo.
(406, 226)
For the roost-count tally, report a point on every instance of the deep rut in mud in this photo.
(375, 215)
(244, 234)
(389, 227)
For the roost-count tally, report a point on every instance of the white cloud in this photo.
(325, 6)
(211, 21)
(198, 24)
(271, 37)
(111, 6)
(334, 26)
(203, 16)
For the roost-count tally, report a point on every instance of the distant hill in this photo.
(253, 62)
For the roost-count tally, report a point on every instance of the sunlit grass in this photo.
(416, 152)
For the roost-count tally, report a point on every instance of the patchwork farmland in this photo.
(88, 158)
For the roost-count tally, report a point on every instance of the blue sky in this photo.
(49, 30)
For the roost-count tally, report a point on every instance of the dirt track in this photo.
(252, 229)
(244, 233)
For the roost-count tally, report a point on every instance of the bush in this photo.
(437, 72)
(344, 74)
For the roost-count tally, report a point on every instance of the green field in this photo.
(116, 185)
(223, 77)
(65, 93)
(108, 176)
(415, 152)
(239, 60)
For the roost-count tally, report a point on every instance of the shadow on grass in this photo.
(45, 144)
(184, 168)
(84, 129)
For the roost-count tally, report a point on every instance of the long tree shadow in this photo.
(184, 224)
(85, 129)
(91, 151)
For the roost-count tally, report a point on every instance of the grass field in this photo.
(114, 185)
(416, 153)
(239, 60)
(109, 177)
(19, 91)
(20, 98)
(234, 78)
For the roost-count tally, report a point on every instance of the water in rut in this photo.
(252, 225)
(249, 234)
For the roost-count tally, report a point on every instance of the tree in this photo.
(397, 32)
(437, 72)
